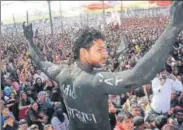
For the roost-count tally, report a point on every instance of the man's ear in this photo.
(83, 52)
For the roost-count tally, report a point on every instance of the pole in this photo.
(14, 23)
(80, 16)
(51, 27)
(62, 27)
(87, 19)
(16, 32)
(121, 11)
(103, 14)
(50, 16)
(149, 10)
(27, 16)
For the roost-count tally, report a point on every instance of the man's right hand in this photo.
(27, 30)
(176, 14)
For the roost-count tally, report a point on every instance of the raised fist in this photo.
(176, 14)
(27, 30)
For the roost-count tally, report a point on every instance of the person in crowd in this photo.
(31, 94)
(174, 99)
(112, 112)
(60, 120)
(169, 127)
(4, 113)
(24, 104)
(179, 115)
(49, 87)
(139, 123)
(34, 127)
(38, 85)
(7, 92)
(12, 104)
(162, 88)
(35, 116)
(46, 106)
(23, 125)
(10, 123)
(48, 127)
(160, 121)
(136, 110)
(40, 75)
(124, 121)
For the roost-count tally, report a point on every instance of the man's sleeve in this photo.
(118, 83)
(50, 69)
(146, 68)
(113, 83)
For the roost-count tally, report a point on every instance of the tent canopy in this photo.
(160, 3)
(97, 6)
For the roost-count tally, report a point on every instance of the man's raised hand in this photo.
(27, 30)
(176, 14)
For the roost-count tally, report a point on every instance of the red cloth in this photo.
(160, 3)
(118, 126)
(23, 113)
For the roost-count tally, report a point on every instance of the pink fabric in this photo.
(16, 86)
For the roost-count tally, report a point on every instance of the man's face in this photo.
(39, 81)
(35, 106)
(136, 111)
(128, 124)
(23, 126)
(5, 111)
(97, 54)
(179, 116)
(24, 96)
(42, 98)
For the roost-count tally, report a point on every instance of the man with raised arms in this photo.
(85, 89)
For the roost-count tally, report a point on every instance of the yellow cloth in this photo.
(137, 48)
(148, 107)
(14, 91)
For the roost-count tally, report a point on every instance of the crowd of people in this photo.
(30, 100)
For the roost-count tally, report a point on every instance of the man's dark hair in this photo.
(138, 121)
(160, 121)
(84, 39)
(121, 116)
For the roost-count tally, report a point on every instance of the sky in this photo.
(18, 8)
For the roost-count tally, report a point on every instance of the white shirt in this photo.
(162, 94)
